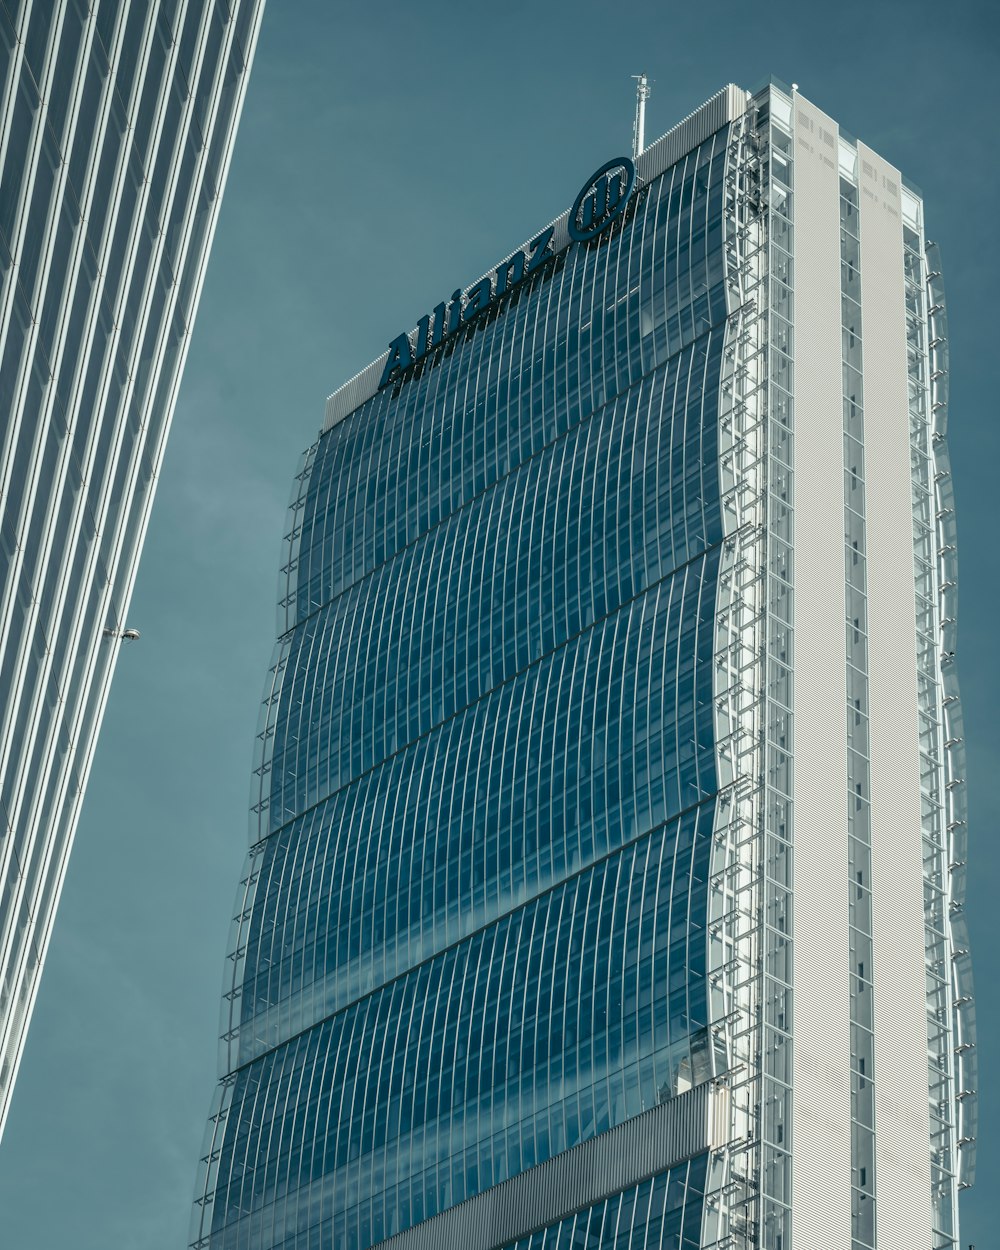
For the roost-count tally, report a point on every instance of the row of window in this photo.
(565, 343)
(567, 539)
(860, 965)
(605, 738)
(657, 629)
(628, 489)
(598, 986)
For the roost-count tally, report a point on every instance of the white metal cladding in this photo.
(902, 1128)
(116, 126)
(723, 107)
(642, 1147)
(821, 1127)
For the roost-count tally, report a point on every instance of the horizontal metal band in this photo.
(632, 1152)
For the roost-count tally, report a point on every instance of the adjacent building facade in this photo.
(116, 124)
(608, 853)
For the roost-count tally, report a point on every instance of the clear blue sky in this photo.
(389, 153)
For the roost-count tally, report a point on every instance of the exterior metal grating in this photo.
(634, 1151)
(116, 126)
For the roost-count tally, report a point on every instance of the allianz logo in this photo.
(601, 201)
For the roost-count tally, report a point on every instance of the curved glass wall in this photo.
(472, 930)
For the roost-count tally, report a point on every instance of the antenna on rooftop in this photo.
(642, 93)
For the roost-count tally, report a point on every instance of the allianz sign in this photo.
(602, 199)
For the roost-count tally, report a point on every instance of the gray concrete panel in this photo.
(902, 1125)
(821, 1129)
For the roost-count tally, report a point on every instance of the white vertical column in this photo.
(821, 1096)
(902, 1123)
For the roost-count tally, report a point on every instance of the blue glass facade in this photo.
(473, 928)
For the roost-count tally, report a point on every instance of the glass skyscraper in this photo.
(608, 846)
(116, 124)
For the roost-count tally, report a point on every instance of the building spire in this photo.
(642, 93)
